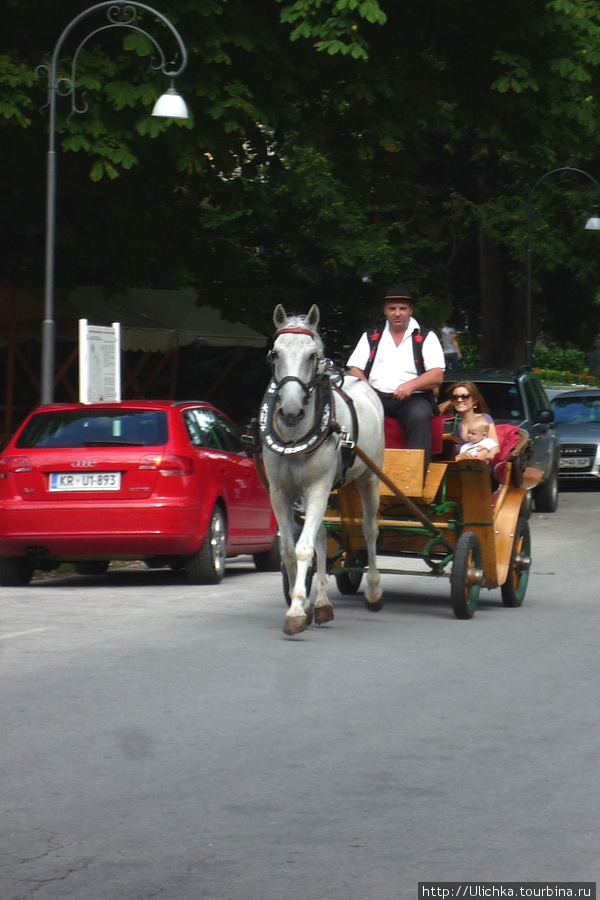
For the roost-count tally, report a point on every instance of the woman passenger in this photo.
(466, 402)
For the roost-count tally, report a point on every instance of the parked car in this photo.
(518, 398)
(577, 417)
(166, 482)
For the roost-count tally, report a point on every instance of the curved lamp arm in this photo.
(120, 14)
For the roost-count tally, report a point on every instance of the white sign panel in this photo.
(99, 362)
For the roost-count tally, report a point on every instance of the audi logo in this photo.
(571, 451)
(84, 464)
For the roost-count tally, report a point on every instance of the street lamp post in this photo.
(119, 14)
(592, 224)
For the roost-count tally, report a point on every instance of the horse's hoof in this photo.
(295, 624)
(377, 606)
(309, 616)
(323, 614)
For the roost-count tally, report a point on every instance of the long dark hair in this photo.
(478, 402)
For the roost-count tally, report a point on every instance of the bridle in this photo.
(325, 380)
(312, 384)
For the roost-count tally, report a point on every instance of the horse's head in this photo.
(295, 357)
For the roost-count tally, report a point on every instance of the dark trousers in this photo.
(414, 414)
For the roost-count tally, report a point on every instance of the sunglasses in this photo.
(460, 396)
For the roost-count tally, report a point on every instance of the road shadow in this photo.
(136, 574)
(585, 486)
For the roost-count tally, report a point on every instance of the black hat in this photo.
(398, 292)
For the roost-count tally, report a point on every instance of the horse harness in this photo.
(324, 385)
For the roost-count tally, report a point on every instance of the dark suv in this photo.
(518, 398)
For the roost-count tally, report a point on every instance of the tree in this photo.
(329, 142)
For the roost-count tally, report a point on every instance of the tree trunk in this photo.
(492, 301)
(502, 310)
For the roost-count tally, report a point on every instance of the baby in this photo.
(480, 443)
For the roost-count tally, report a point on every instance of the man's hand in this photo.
(403, 391)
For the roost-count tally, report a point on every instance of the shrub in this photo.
(567, 359)
(563, 365)
(471, 355)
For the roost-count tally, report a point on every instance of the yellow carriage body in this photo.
(424, 514)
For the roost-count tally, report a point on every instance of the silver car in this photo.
(577, 418)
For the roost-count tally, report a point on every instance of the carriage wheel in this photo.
(513, 589)
(349, 582)
(467, 575)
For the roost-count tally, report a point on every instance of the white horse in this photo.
(300, 422)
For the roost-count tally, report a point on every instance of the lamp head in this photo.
(593, 223)
(171, 105)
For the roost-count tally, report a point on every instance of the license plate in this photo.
(85, 481)
(574, 463)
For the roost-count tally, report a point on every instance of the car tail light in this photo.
(167, 464)
(11, 464)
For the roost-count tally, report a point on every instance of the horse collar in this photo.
(321, 428)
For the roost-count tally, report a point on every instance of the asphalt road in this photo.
(167, 741)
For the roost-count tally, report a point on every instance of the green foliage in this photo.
(560, 377)
(567, 359)
(563, 365)
(471, 354)
(15, 102)
(328, 141)
(334, 31)
(517, 74)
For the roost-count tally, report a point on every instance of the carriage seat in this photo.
(509, 465)
(395, 436)
(514, 444)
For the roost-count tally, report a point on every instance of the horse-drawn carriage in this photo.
(343, 499)
(460, 520)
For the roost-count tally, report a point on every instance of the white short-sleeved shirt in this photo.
(488, 442)
(394, 365)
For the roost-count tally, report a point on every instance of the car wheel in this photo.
(207, 566)
(513, 589)
(15, 571)
(466, 575)
(546, 495)
(91, 568)
(269, 560)
(526, 505)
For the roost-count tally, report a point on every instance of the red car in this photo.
(166, 482)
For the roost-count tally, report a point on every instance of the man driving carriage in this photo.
(404, 364)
